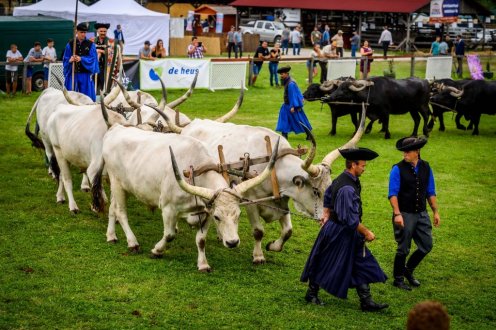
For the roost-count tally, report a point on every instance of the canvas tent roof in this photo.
(213, 9)
(138, 23)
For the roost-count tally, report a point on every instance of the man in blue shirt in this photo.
(340, 259)
(411, 183)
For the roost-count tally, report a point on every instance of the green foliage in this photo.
(58, 272)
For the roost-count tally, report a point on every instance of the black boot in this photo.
(312, 295)
(285, 135)
(399, 271)
(308, 138)
(366, 302)
(412, 263)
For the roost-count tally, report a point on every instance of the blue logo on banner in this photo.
(154, 74)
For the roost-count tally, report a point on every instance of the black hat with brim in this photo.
(82, 27)
(101, 25)
(410, 143)
(284, 69)
(358, 154)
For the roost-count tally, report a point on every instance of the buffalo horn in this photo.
(235, 109)
(333, 155)
(248, 184)
(163, 100)
(307, 165)
(454, 91)
(194, 190)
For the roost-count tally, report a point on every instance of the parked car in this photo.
(268, 30)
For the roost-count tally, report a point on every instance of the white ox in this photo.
(138, 163)
(76, 133)
(297, 179)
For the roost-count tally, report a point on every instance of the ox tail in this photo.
(54, 165)
(35, 140)
(98, 202)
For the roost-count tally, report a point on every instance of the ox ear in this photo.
(299, 181)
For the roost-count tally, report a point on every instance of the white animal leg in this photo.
(65, 174)
(170, 220)
(85, 183)
(286, 232)
(201, 238)
(258, 233)
(118, 211)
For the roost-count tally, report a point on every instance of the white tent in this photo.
(138, 23)
(57, 8)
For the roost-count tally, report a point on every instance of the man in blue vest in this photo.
(340, 259)
(411, 184)
(86, 63)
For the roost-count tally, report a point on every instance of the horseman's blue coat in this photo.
(88, 66)
(290, 122)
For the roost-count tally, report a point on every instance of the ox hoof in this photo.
(156, 256)
(461, 127)
(85, 189)
(331, 133)
(112, 241)
(441, 129)
(387, 136)
(134, 249)
(259, 261)
(205, 269)
(61, 201)
(75, 211)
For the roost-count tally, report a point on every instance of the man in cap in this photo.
(340, 259)
(291, 114)
(86, 63)
(102, 49)
(411, 183)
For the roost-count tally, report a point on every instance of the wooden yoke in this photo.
(222, 160)
(273, 177)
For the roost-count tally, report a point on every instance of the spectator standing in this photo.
(196, 48)
(328, 52)
(261, 54)
(355, 43)
(365, 51)
(49, 56)
(275, 56)
(14, 57)
(338, 37)
(145, 53)
(119, 36)
(460, 53)
(326, 36)
(450, 44)
(443, 48)
(159, 50)
(285, 40)
(295, 38)
(316, 36)
(205, 26)
(35, 55)
(385, 40)
(85, 63)
(231, 43)
(316, 55)
(238, 39)
(435, 46)
(102, 44)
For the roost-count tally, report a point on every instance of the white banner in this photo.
(176, 73)
(341, 68)
(177, 27)
(438, 67)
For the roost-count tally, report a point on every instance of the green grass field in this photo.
(58, 272)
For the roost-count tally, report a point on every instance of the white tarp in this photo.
(138, 23)
(176, 73)
(341, 68)
(439, 67)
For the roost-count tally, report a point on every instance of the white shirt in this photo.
(295, 37)
(12, 55)
(386, 36)
(51, 53)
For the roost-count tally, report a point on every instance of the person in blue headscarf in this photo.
(291, 114)
(86, 63)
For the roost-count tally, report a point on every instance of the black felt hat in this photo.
(284, 69)
(82, 27)
(411, 143)
(358, 154)
(101, 25)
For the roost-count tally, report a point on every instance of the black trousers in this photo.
(385, 47)
(232, 46)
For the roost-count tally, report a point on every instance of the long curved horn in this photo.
(173, 127)
(246, 185)
(163, 100)
(327, 85)
(114, 92)
(104, 109)
(68, 98)
(454, 91)
(357, 86)
(194, 190)
(126, 95)
(138, 116)
(307, 165)
(235, 109)
(333, 155)
(183, 98)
